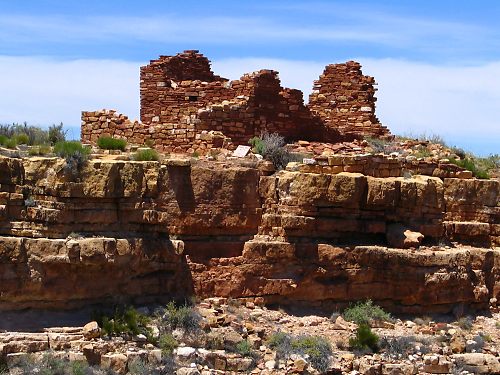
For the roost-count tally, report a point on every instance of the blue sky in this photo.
(437, 63)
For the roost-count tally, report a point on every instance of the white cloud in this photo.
(45, 91)
(460, 103)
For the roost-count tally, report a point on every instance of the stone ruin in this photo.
(185, 107)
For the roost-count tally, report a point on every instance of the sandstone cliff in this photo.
(143, 231)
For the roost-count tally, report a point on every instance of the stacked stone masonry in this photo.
(182, 100)
(381, 166)
(146, 231)
(345, 100)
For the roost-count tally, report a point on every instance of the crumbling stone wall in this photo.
(344, 99)
(182, 100)
(183, 90)
(164, 137)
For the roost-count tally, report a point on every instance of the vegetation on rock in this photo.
(146, 155)
(110, 143)
(365, 312)
(317, 348)
(364, 339)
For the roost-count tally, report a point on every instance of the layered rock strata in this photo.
(144, 231)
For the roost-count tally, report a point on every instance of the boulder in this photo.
(399, 236)
(478, 363)
(91, 330)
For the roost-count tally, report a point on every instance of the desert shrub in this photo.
(422, 152)
(397, 347)
(22, 139)
(272, 148)
(365, 312)
(39, 150)
(125, 320)
(74, 152)
(167, 343)
(379, 145)
(29, 134)
(257, 145)
(51, 365)
(364, 339)
(67, 149)
(10, 143)
(432, 138)
(110, 143)
(317, 348)
(3, 139)
(472, 164)
(146, 155)
(460, 152)
(244, 349)
(142, 367)
(465, 323)
(423, 137)
(185, 317)
(56, 134)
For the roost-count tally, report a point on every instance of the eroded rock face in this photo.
(143, 231)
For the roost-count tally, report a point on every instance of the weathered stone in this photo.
(91, 330)
(478, 363)
(401, 237)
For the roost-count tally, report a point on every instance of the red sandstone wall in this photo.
(344, 99)
(182, 100)
(164, 137)
(182, 90)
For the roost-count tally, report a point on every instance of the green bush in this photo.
(244, 349)
(472, 164)
(110, 143)
(185, 317)
(22, 139)
(33, 135)
(257, 145)
(124, 321)
(146, 155)
(3, 139)
(317, 348)
(365, 312)
(75, 154)
(167, 343)
(10, 143)
(39, 150)
(272, 148)
(398, 347)
(365, 339)
(67, 149)
(56, 133)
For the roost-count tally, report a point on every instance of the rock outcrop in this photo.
(145, 231)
